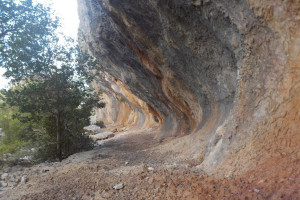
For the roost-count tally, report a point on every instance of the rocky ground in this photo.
(125, 167)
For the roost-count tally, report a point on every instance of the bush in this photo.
(37, 140)
(17, 135)
(46, 149)
(100, 124)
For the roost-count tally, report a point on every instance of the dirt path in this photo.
(102, 166)
(127, 160)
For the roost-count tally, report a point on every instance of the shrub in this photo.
(37, 140)
(100, 124)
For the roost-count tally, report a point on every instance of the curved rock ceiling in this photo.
(224, 75)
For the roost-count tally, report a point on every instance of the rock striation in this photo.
(222, 78)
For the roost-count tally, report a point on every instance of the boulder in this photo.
(102, 136)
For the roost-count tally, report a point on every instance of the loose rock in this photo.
(150, 169)
(256, 190)
(45, 170)
(24, 179)
(119, 186)
(150, 180)
(4, 176)
(3, 184)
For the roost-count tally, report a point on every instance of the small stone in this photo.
(3, 184)
(135, 190)
(126, 163)
(118, 186)
(261, 181)
(256, 190)
(290, 179)
(105, 194)
(24, 179)
(4, 176)
(150, 180)
(150, 169)
(11, 184)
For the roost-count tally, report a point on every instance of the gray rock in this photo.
(4, 176)
(93, 128)
(3, 184)
(24, 179)
(197, 53)
(191, 62)
(118, 186)
(11, 184)
(102, 136)
(150, 169)
(256, 190)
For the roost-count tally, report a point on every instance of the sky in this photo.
(67, 11)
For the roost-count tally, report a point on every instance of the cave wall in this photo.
(223, 74)
(123, 110)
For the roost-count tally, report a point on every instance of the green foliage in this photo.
(17, 136)
(51, 78)
(58, 98)
(100, 124)
(26, 31)
(21, 137)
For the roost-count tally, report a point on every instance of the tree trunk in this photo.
(58, 138)
(58, 124)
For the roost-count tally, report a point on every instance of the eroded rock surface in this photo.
(203, 97)
(223, 74)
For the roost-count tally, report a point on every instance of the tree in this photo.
(26, 29)
(58, 96)
(51, 77)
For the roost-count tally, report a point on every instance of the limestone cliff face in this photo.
(123, 110)
(223, 74)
